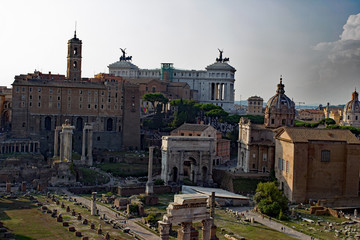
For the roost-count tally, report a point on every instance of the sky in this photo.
(313, 44)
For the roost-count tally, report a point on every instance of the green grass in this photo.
(92, 177)
(125, 169)
(25, 221)
(254, 231)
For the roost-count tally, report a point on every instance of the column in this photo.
(93, 204)
(214, 91)
(61, 147)
(181, 167)
(164, 229)
(185, 231)
(83, 158)
(149, 185)
(56, 141)
(90, 145)
(206, 229)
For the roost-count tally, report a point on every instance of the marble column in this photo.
(90, 145)
(181, 168)
(149, 185)
(93, 204)
(83, 158)
(164, 229)
(206, 229)
(185, 231)
(56, 141)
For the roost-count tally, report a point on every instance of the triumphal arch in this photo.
(187, 158)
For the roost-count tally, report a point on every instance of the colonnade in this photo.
(19, 147)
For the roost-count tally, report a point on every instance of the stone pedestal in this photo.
(185, 231)
(164, 229)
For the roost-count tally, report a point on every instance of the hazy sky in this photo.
(314, 44)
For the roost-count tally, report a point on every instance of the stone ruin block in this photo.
(73, 213)
(79, 216)
(85, 221)
(78, 234)
(121, 203)
(107, 236)
(67, 209)
(92, 226)
(151, 200)
(65, 224)
(85, 238)
(72, 229)
(141, 210)
(23, 186)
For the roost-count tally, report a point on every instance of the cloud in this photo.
(339, 64)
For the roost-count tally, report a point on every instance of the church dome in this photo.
(280, 100)
(353, 106)
(279, 110)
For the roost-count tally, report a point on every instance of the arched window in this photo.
(79, 124)
(75, 51)
(48, 123)
(75, 64)
(109, 124)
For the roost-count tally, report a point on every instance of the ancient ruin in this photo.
(87, 145)
(185, 209)
(188, 158)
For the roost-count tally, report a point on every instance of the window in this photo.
(282, 165)
(279, 164)
(325, 156)
(272, 121)
(50, 90)
(69, 91)
(39, 89)
(80, 91)
(287, 166)
(30, 89)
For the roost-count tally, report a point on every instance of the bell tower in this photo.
(73, 72)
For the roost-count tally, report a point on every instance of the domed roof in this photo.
(221, 66)
(280, 99)
(124, 65)
(353, 105)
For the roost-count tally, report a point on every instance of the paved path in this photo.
(276, 225)
(110, 214)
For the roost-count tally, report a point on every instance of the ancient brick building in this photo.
(43, 101)
(317, 163)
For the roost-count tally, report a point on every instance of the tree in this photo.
(155, 97)
(270, 200)
(219, 113)
(187, 111)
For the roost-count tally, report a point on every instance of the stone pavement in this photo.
(110, 214)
